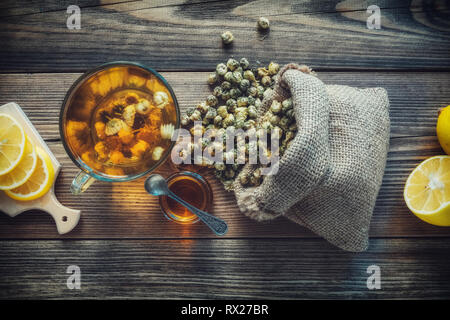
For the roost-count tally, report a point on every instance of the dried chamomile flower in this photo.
(262, 72)
(249, 124)
(252, 92)
(261, 91)
(225, 95)
(287, 104)
(242, 102)
(263, 23)
(235, 93)
(266, 81)
(237, 77)
(217, 92)
(211, 114)
(227, 37)
(202, 107)
(273, 68)
(228, 76)
(185, 120)
(274, 119)
(275, 107)
(143, 106)
(249, 75)
(232, 64)
(251, 100)
(252, 112)
(228, 120)
(284, 122)
(211, 100)
(157, 153)
(129, 114)
(213, 78)
(225, 85)
(258, 103)
(244, 179)
(231, 105)
(190, 111)
(161, 99)
(218, 120)
(239, 124)
(114, 126)
(244, 85)
(221, 69)
(220, 166)
(244, 63)
(167, 131)
(222, 111)
(196, 116)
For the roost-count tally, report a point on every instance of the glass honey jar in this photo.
(192, 188)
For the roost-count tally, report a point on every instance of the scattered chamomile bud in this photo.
(157, 153)
(260, 91)
(249, 124)
(232, 64)
(225, 85)
(217, 92)
(228, 76)
(252, 112)
(252, 92)
(263, 23)
(237, 77)
(213, 78)
(217, 120)
(242, 102)
(244, 63)
(225, 95)
(222, 111)
(244, 85)
(274, 119)
(284, 122)
(196, 116)
(287, 104)
(205, 121)
(273, 68)
(227, 37)
(228, 120)
(249, 75)
(211, 100)
(275, 107)
(235, 93)
(231, 105)
(258, 103)
(202, 107)
(221, 69)
(185, 120)
(220, 166)
(161, 99)
(266, 81)
(190, 111)
(251, 100)
(244, 179)
(211, 114)
(239, 124)
(262, 72)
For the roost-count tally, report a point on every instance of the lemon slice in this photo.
(443, 129)
(20, 174)
(39, 182)
(12, 143)
(427, 191)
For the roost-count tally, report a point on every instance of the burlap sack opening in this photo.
(329, 177)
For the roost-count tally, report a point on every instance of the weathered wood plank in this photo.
(185, 36)
(226, 269)
(415, 97)
(129, 212)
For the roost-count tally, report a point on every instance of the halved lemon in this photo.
(12, 143)
(39, 182)
(427, 191)
(20, 174)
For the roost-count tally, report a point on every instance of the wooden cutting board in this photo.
(66, 219)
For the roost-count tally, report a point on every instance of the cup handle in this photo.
(81, 182)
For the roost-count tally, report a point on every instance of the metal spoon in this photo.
(157, 186)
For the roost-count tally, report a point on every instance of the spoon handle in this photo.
(217, 225)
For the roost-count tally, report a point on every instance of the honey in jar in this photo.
(192, 188)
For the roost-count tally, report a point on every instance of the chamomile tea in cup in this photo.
(117, 122)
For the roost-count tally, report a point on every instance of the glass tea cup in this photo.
(116, 123)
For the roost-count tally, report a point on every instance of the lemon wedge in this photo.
(39, 182)
(12, 143)
(443, 129)
(22, 172)
(427, 191)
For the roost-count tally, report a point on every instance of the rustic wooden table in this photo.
(123, 244)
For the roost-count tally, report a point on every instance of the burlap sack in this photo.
(329, 177)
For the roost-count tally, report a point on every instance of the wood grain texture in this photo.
(126, 211)
(225, 269)
(184, 35)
